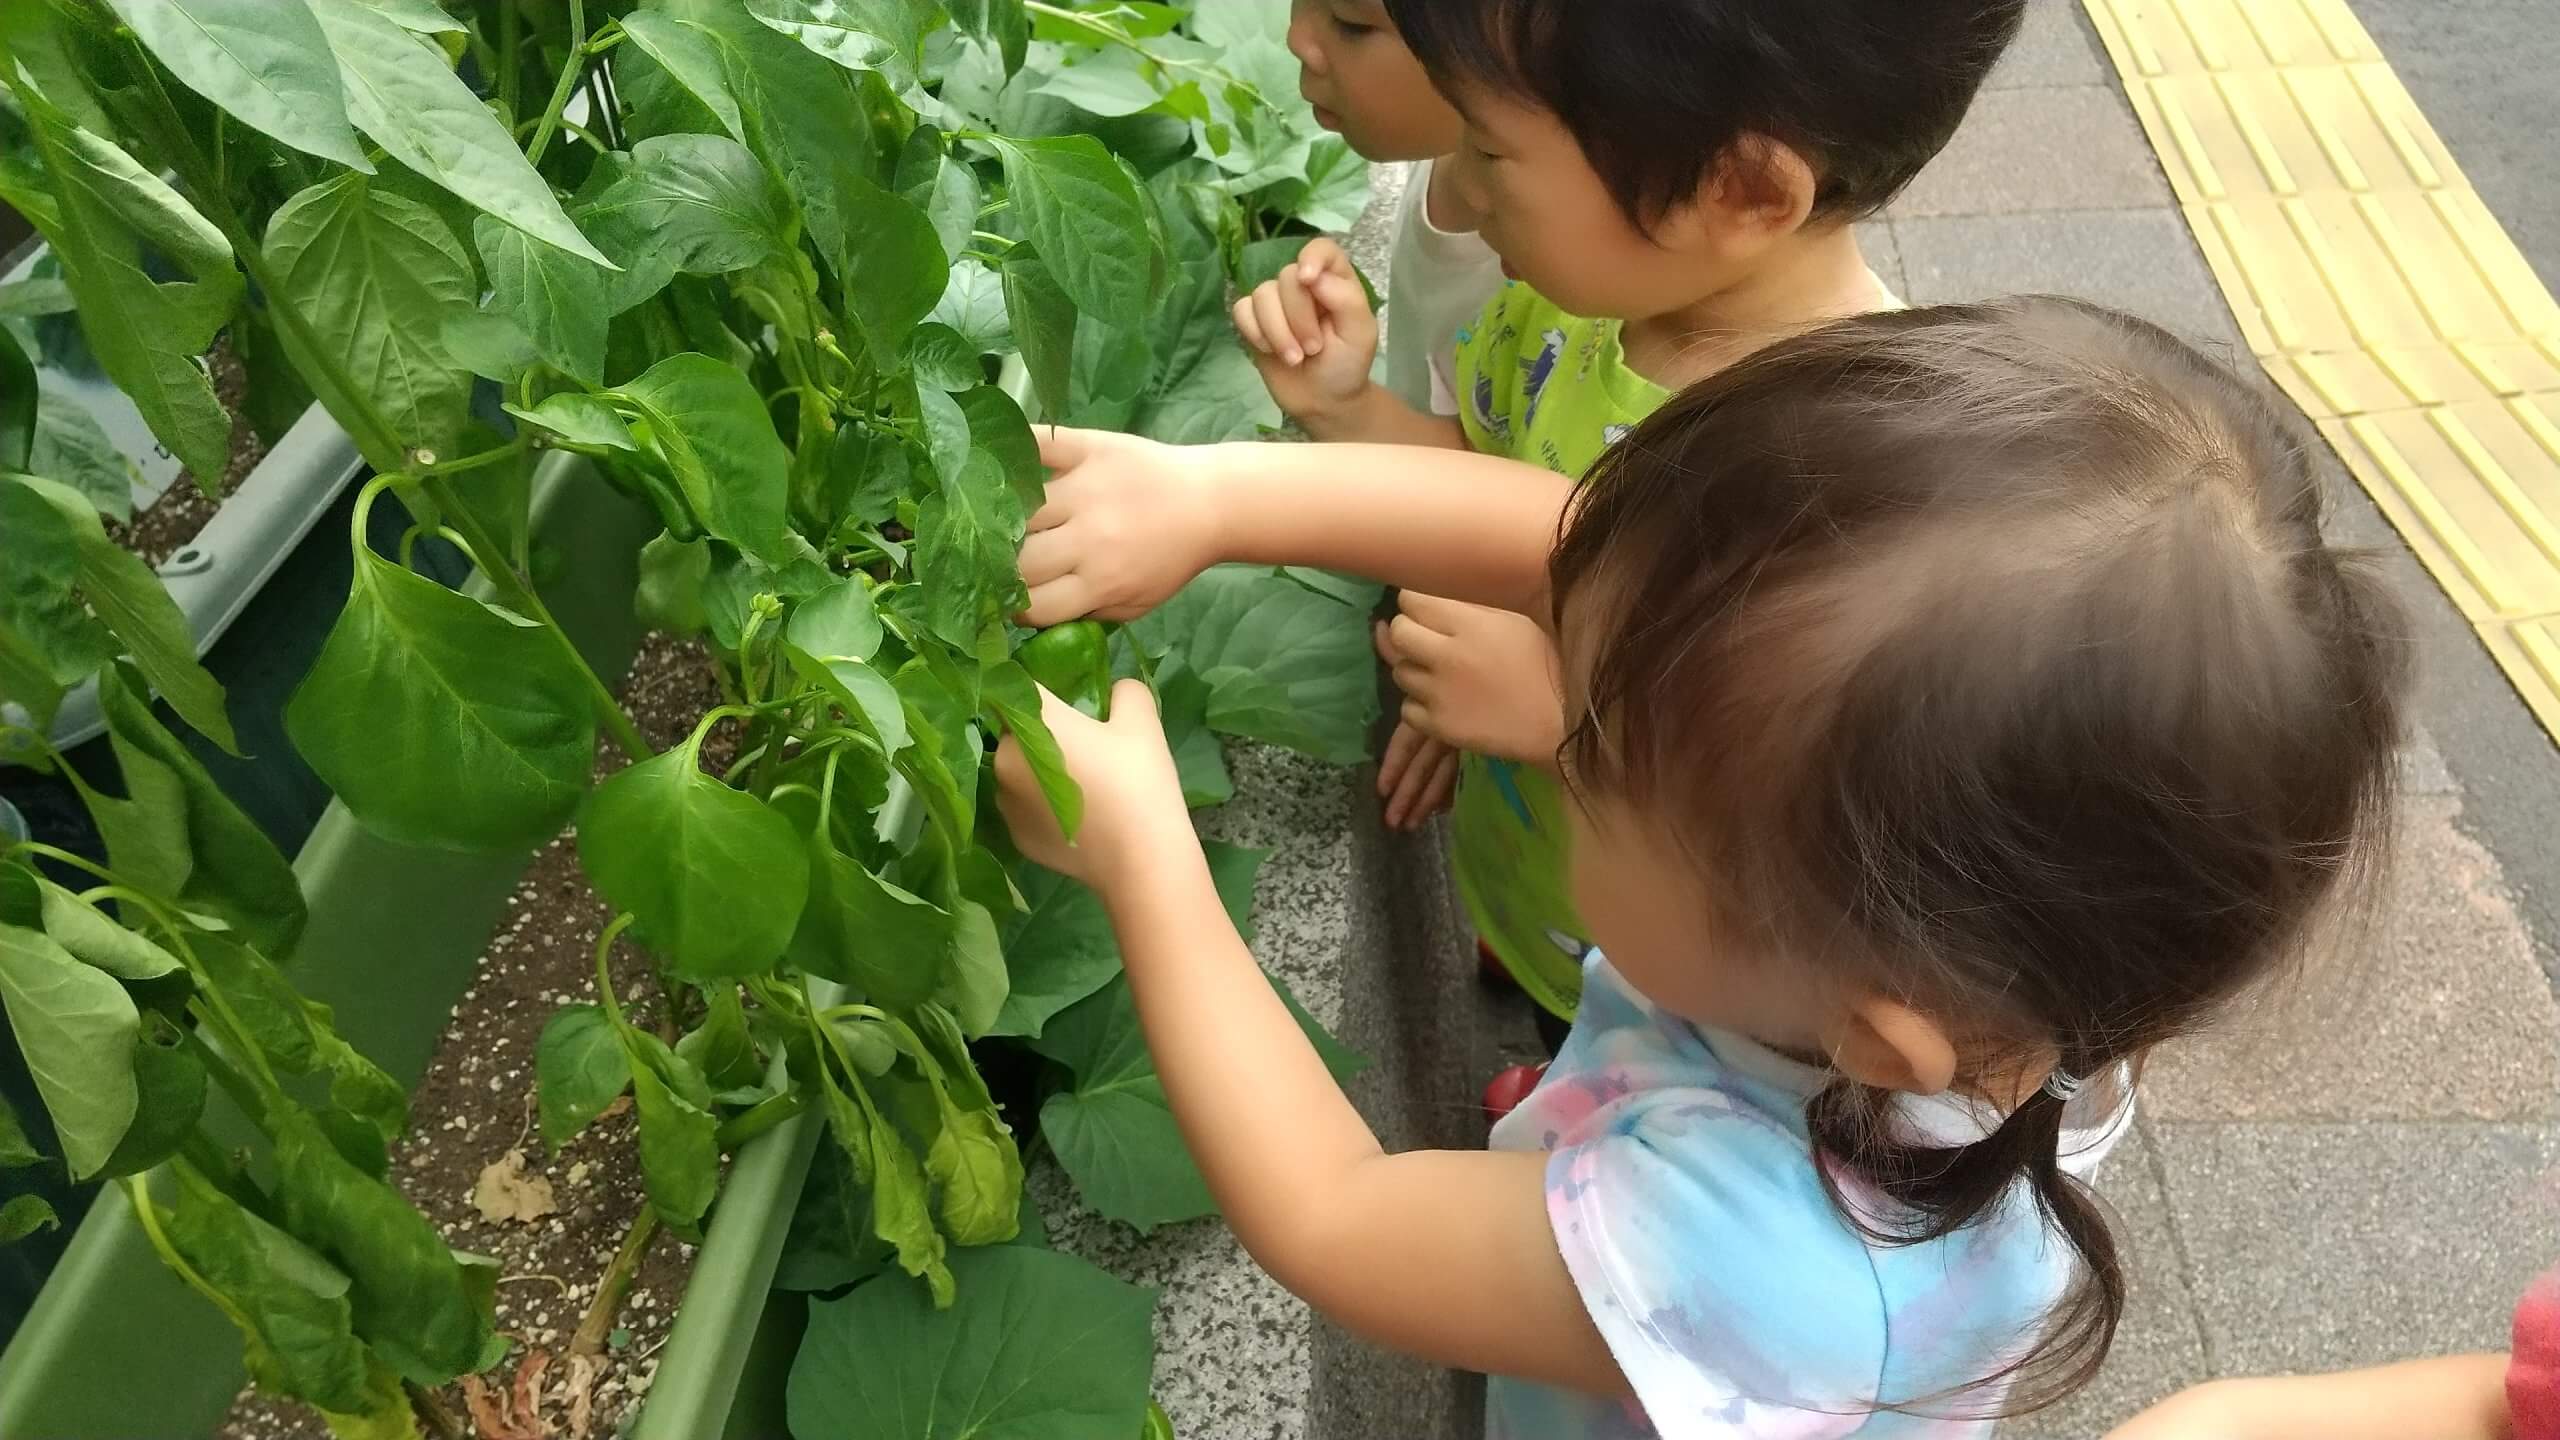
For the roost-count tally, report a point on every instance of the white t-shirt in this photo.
(1438, 281)
(1687, 1202)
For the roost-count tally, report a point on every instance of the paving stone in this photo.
(2158, 1350)
(2141, 261)
(2073, 147)
(2442, 1013)
(2054, 47)
(2327, 1247)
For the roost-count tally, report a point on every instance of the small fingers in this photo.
(1047, 555)
(1249, 325)
(1274, 320)
(1402, 746)
(1384, 636)
(1298, 305)
(1322, 254)
(1346, 305)
(1405, 809)
(1069, 597)
(1439, 789)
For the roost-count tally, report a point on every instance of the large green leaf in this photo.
(121, 591)
(147, 333)
(893, 268)
(709, 425)
(302, 1340)
(1284, 664)
(794, 110)
(441, 720)
(1061, 949)
(580, 1068)
(715, 876)
(1088, 221)
(410, 1295)
(1038, 1346)
(48, 639)
(376, 276)
(975, 1164)
(401, 91)
(1043, 323)
(870, 933)
(94, 939)
(73, 448)
(1014, 696)
(882, 35)
(561, 301)
(1113, 1129)
(265, 61)
(77, 1029)
(1204, 387)
(176, 835)
(691, 204)
(966, 536)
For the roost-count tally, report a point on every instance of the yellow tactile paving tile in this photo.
(2373, 284)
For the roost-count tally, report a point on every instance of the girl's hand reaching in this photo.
(1128, 522)
(1312, 335)
(1133, 808)
(1476, 678)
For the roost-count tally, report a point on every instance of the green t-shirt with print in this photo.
(1552, 389)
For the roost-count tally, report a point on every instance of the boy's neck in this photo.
(1819, 275)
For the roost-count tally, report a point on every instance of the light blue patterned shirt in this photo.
(1739, 1302)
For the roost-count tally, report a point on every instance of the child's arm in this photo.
(1445, 1255)
(2461, 1397)
(1313, 337)
(1130, 521)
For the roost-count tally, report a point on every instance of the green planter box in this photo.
(393, 939)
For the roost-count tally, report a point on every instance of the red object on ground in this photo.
(1504, 1092)
(1491, 970)
(2533, 1375)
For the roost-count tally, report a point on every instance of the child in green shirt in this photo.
(1671, 186)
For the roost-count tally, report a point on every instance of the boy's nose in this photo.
(1302, 38)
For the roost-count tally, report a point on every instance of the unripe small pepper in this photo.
(1073, 662)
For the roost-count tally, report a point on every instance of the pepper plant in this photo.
(792, 274)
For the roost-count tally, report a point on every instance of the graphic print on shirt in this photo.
(1539, 368)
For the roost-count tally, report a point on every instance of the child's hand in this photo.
(1476, 678)
(1133, 806)
(1128, 522)
(1311, 333)
(1417, 777)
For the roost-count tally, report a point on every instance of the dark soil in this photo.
(477, 1104)
(163, 528)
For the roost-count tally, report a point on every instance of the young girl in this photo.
(1963, 701)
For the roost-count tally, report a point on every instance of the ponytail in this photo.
(1938, 1190)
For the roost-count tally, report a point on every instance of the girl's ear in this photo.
(1890, 1046)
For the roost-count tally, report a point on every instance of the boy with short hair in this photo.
(1641, 266)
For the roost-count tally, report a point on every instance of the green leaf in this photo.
(1039, 1344)
(715, 876)
(672, 576)
(73, 448)
(77, 1029)
(1110, 82)
(122, 592)
(998, 426)
(1088, 221)
(265, 1003)
(943, 359)
(966, 536)
(679, 1136)
(169, 1086)
(580, 419)
(901, 1208)
(409, 1293)
(946, 432)
(48, 639)
(265, 61)
(1009, 690)
(974, 306)
(837, 623)
(870, 933)
(147, 333)
(1004, 25)
(720, 1046)
(23, 1216)
(176, 835)
(881, 35)
(560, 300)
(401, 91)
(579, 1068)
(96, 940)
(16, 1150)
(1044, 323)
(19, 401)
(301, 1328)
(1284, 664)
(694, 55)
(1182, 703)
(973, 980)
(694, 204)
(1062, 949)
(377, 275)
(893, 269)
(830, 1245)
(945, 187)
(412, 670)
(974, 1162)
(706, 421)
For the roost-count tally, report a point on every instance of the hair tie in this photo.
(2064, 1086)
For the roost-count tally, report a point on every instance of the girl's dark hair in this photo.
(1990, 658)
(1867, 91)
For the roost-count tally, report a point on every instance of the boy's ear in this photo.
(1888, 1045)
(1762, 189)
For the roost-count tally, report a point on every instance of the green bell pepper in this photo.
(1073, 662)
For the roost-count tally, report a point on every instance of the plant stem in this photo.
(597, 1324)
(439, 1420)
(757, 1119)
(510, 81)
(569, 71)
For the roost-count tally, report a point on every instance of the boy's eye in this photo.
(1353, 29)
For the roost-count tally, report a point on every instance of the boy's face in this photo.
(1365, 84)
(1551, 218)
